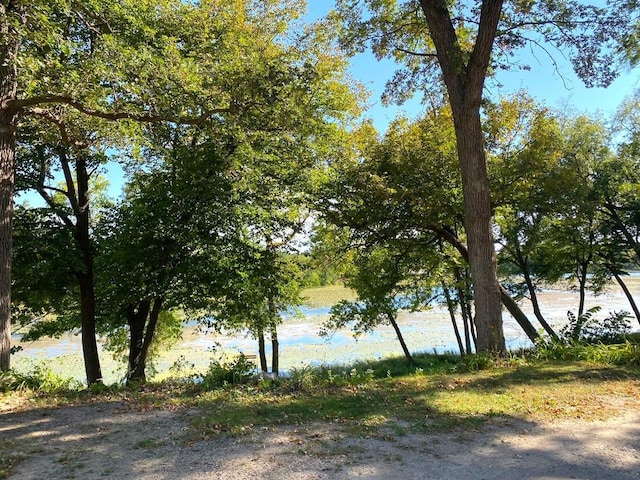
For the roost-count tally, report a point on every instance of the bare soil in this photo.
(109, 440)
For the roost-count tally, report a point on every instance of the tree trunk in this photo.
(262, 353)
(7, 152)
(275, 351)
(627, 293)
(582, 287)
(86, 279)
(136, 318)
(452, 314)
(479, 228)
(138, 373)
(505, 298)
(464, 84)
(8, 123)
(407, 354)
(536, 306)
(519, 316)
(462, 301)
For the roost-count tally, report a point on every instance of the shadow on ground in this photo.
(107, 440)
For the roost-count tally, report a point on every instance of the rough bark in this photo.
(505, 298)
(464, 82)
(9, 45)
(7, 144)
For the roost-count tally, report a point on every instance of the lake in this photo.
(301, 345)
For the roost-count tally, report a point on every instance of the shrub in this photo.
(477, 362)
(627, 353)
(589, 330)
(302, 379)
(237, 371)
(39, 379)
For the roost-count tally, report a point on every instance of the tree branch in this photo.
(417, 54)
(113, 116)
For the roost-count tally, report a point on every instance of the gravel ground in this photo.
(108, 440)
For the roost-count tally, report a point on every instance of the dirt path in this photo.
(105, 440)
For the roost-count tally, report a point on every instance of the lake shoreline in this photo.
(301, 345)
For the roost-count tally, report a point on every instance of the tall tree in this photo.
(111, 59)
(460, 40)
(127, 61)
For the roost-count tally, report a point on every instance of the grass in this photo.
(440, 397)
(385, 398)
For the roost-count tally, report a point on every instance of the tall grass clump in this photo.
(40, 379)
(607, 341)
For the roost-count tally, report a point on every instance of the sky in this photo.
(555, 89)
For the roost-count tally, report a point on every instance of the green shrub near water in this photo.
(627, 353)
(607, 341)
(39, 379)
(237, 371)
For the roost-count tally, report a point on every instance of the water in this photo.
(301, 344)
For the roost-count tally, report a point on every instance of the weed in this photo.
(302, 379)
(474, 363)
(627, 353)
(588, 329)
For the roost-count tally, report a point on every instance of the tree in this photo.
(403, 192)
(386, 281)
(163, 247)
(162, 61)
(112, 60)
(231, 198)
(465, 42)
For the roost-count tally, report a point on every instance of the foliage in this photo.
(221, 373)
(168, 332)
(474, 363)
(39, 379)
(587, 329)
(626, 353)
(303, 379)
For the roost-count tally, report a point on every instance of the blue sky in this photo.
(556, 89)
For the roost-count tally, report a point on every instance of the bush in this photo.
(39, 379)
(238, 371)
(477, 362)
(302, 379)
(589, 330)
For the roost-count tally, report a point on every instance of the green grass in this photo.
(430, 400)
(388, 397)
